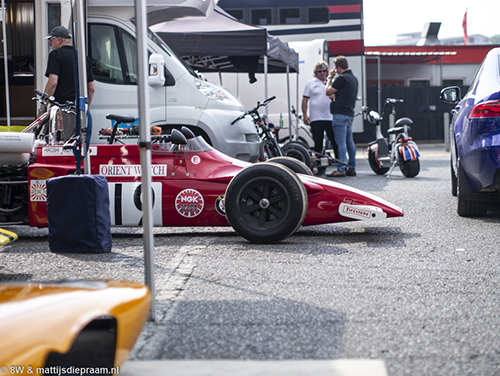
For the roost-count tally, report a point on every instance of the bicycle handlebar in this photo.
(254, 110)
(44, 96)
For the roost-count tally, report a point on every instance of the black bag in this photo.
(78, 214)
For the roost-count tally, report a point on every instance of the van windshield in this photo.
(160, 43)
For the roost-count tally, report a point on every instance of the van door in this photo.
(113, 55)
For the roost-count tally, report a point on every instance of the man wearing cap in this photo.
(61, 69)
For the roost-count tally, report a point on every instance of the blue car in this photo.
(475, 139)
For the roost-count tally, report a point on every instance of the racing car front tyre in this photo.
(266, 203)
(293, 164)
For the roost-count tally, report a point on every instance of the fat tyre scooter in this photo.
(384, 156)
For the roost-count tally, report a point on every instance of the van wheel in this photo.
(293, 164)
(266, 203)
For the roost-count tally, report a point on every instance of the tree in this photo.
(495, 39)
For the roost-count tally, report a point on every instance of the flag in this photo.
(464, 25)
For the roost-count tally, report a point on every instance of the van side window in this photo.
(104, 54)
(130, 49)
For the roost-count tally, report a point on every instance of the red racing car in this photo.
(193, 185)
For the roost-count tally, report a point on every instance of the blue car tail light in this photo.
(486, 109)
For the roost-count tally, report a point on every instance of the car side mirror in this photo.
(156, 70)
(450, 94)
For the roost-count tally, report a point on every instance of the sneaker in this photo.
(350, 172)
(337, 174)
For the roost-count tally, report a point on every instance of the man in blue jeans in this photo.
(343, 90)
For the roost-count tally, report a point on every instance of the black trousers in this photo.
(318, 129)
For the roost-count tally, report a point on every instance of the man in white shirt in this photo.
(319, 117)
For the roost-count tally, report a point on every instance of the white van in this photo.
(180, 98)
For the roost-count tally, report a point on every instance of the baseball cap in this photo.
(59, 31)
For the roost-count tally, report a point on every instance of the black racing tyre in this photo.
(410, 169)
(268, 150)
(266, 202)
(298, 151)
(466, 205)
(453, 180)
(293, 164)
(372, 160)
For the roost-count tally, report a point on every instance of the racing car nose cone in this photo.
(264, 203)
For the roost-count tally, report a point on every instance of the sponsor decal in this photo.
(57, 151)
(38, 190)
(361, 212)
(356, 211)
(189, 203)
(195, 159)
(130, 170)
(220, 205)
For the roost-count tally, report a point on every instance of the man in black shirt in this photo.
(61, 71)
(343, 91)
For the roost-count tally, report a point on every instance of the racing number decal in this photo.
(189, 203)
(125, 204)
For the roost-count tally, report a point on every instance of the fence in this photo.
(421, 104)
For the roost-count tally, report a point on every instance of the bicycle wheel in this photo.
(268, 150)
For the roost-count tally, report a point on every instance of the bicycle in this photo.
(268, 147)
(48, 126)
(400, 150)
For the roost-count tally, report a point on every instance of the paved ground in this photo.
(416, 295)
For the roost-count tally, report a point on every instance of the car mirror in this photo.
(156, 70)
(450, 94)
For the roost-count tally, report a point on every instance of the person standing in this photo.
(343, 90)
(319, 118)
(61, 74)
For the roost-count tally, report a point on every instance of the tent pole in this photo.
(6, 64)
(288, 99)
(266, 94)
(145, 150)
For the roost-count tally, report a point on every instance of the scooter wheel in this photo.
(375, 164)
(410, 169)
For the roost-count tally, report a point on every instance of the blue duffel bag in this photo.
(78, 214)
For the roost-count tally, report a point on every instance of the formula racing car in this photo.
(192, 183)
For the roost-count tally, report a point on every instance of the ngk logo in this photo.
(189, 203)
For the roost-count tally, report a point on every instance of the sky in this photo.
(384, 19)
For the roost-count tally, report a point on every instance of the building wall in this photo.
(391, 73)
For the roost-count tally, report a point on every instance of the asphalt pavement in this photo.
(416, 295)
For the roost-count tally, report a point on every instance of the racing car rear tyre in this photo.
(298, 151)
(293, 164)
(266, 203)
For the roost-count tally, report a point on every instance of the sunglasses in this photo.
(321, 71)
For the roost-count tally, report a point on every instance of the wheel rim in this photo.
(264, 203)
